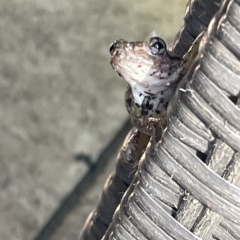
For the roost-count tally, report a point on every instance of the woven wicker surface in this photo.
(187, 186)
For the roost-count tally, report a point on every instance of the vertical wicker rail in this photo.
(116, 185)
(188, 185)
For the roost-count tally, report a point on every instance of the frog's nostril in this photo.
(112, 48)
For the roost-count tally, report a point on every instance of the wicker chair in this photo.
(187, 185)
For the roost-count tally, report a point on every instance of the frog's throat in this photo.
(152, 87)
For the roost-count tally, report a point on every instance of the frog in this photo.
(152, 72)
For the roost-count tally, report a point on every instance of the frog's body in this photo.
(152, 72)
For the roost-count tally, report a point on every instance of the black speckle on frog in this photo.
(129, 102)
(149, 105)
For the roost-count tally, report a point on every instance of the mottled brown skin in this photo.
(153, 74)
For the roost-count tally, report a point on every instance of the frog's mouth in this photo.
(143, 72)
(115, 67)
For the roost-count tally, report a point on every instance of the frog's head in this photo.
(135, 59)
(147, 66)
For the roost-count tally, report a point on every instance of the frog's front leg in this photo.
(138, 111)
(156, 127)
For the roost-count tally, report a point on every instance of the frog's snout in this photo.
(113, 47)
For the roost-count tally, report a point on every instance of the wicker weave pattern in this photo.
(187, 186)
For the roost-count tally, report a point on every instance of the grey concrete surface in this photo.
(59, 96)
(70, 227)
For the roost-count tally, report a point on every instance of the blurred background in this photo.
(61, 106)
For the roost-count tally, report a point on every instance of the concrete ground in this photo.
(60, 100)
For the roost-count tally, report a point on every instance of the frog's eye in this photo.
(157, 46)
(112, 48)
